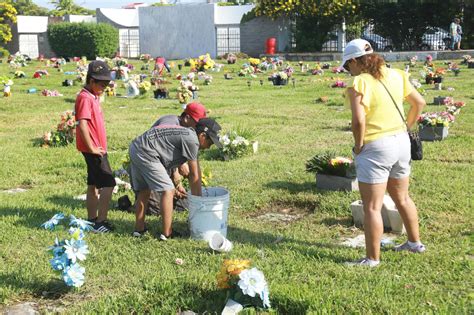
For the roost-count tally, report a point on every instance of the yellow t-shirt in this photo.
(381, 117)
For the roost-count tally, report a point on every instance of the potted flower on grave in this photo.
(7, 83)
(466, 59)
(333, 172)
(231, 58)
(412, 61)
(279, 78)
(145, 58)
(434, 126)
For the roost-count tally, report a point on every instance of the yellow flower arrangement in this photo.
(231, 268)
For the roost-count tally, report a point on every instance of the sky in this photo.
(93, 4)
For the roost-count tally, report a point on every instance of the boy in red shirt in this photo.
(91, 140)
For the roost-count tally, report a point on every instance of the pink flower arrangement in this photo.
(339, 84)
(47, 92)
(337, 70)
(64, 133)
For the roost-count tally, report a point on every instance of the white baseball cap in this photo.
(356, 48)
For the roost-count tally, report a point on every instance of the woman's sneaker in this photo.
(139, 233)
(414, 249)
(172, 235)
(364, 262)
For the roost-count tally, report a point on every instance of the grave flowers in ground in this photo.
(237, 143)
(333, 172)
(69, 252)
(245, 287)
(7, 83)
(186, 91)
(64, 133)
(434, 126)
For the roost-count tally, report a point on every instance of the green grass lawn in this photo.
(302, 260)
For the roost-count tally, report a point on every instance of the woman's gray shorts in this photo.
(387, 157)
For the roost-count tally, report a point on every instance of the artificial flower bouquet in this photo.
(432, 75)
(279, 78)
(412, 61)
(18, 60)
(67, 253)
(328, 163)
(438, 119)
(64, 133)
(40, 73)
(244, 285)
(454, 108)
(231, 58)
(7, 83)
(144, 87)
(234, 145)
(185, 91)
(20, 74)
(254, 62)
(466, 59)
(339, 84)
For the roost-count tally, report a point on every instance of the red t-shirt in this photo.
(160, 61)
(88, 107)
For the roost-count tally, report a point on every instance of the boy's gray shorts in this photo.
(387, 157)
(147, 174)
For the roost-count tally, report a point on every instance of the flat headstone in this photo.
(359, 241)
(28, 308)
(81, 197)
(279, 217)
(14, 190)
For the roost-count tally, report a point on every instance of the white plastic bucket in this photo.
(208, 214)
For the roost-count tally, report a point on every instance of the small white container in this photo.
(220, 244)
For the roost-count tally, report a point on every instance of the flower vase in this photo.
(331, 182)
(160, 93)
(232, 308)
(429, 80)
(440, 100)
(255, 146)
(470, 65)
(438, 86)
(438, 80)
(433, 133)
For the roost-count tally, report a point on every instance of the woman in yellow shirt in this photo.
(382, 146)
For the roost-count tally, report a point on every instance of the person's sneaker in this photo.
(364, 262)
(139, 233)
(172, 235)
(414, 249)
(101, 227)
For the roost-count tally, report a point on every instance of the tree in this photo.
(63, 7)
(314, 19)
(7, 17)
(27, 7)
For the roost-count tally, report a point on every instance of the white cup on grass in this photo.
(219, 243)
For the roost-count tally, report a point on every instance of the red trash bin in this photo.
(270, 46)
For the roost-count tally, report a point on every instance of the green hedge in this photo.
(83, 39)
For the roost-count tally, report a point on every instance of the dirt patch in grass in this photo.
(284, 211)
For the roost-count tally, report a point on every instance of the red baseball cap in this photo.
(196, 110)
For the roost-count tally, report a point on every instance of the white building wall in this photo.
(230, 14)
(178, 32)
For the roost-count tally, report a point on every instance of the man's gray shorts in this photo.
(387, 157)
(147, 174)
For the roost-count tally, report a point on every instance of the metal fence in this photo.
(434, 38)
(228, 39)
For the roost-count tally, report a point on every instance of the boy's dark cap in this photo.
(99, 70)
(211, 128)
